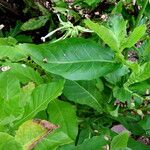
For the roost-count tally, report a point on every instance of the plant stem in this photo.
(141, 13)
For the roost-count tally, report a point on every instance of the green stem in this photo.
(141, 13)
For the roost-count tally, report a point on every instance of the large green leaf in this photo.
(53, 141)
(33, 131)
(84, 92)
(63, 114)
(73, 58)
(40, 98)
(120, 141)
(24, 73)
(8, 142)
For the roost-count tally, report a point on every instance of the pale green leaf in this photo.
(64, 114)
(33, 131)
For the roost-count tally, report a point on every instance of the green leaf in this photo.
(63, 114)
(135, 145)
(141, 74)
(74, 58)
(115, 76)
(83, 92)
(91, 2)
(40, 98)
(103, 33)
(120, 141)
(135, 36)
(116, 31)
(145, 124)
(122, 94)
(35, 23)
(8, 142)
(10, 111)
(24, 73)
(33, 131)
(118, 8)
(9, 86)
(146, 53)
(13, 53)
(10, 103)
(95, 143)
(53, 141)
(9, 41)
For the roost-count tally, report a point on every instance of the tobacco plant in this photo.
(76, 92)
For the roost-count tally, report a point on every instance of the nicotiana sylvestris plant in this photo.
(77, 88)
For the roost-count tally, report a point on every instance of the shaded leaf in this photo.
(35, 23)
